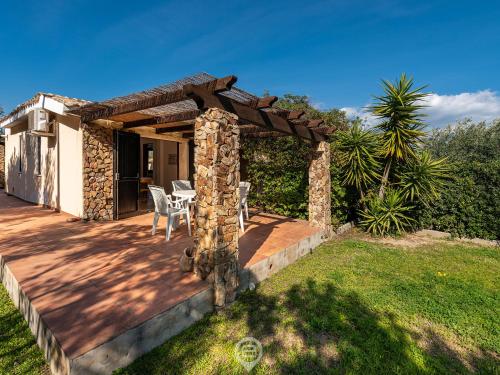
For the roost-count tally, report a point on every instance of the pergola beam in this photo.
(173, 129)
(159, 121)
(289, 115)
(214, 86)
(314, 123)
(267, 120)
(265, 102)
(325, 130)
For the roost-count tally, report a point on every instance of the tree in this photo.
(411, 175)
(469, 203)
(402, 125)
(423, 177)
(358, 152)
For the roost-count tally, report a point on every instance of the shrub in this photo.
(469, 205)
(387, 215)
(277, 168)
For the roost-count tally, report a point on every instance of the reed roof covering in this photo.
(162, 110)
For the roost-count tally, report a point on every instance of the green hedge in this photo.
(470, 204)
(277, 168)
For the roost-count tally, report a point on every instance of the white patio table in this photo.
(185, 194)
(190, 194)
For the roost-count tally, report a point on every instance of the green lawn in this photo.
(355, 307)
(19, 353)
(351, 307)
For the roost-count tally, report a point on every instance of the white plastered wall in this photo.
(70, 165)
(59, 184)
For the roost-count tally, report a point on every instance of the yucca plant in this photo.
(358, 152)
(401, 126)
(387, 215)
(422, 178)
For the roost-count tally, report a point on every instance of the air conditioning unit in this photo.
(38, 120)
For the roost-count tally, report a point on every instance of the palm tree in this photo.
(402, 126)
(358, 152)
(423, 178)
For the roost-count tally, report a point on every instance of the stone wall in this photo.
(217, 181)
(2, 162)
(320, 188)
(97, 172)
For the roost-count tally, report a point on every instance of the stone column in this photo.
(320, 188)
(97, 172)
(217, 178)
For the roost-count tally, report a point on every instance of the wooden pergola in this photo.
(172, 109)
(214, 113)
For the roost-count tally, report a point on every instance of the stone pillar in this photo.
(217, 179)
(320, 188)
(97, 172)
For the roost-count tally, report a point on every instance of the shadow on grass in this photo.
(311, 329)
(19, 353)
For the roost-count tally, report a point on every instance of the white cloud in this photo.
(446, 109)
(442, 110)
(362, 113)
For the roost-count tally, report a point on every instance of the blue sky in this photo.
(334, 51)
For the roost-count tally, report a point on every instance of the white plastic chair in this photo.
(181, 185)
(243, 197)
(165, 206)
(243, 204)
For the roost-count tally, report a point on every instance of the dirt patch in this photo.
(327, 350)
(426, 237)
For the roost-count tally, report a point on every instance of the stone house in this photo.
(93, 160)
(69, 165)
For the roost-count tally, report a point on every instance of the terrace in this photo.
(99, 294)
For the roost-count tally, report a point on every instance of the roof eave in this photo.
(43, 101)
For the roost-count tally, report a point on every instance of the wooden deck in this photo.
(90, 282)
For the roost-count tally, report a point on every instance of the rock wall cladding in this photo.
(97, 173)
(320, 188)
(217, 180)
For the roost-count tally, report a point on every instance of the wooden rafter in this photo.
(214, 86)
(268, 120)
(309, 123)
(172, 129)
(289, 115)
(314, 123)
(265, 102)
(158, 121)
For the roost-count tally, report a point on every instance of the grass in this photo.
(19, 353)
(355, 307)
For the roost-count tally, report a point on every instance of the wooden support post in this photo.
(320, 188)
(217, 179)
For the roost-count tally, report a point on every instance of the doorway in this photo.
(127, 172)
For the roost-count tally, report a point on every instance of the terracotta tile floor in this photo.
(93, 281)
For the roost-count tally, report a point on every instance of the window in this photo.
(20, 158)
(38, 153)
(147, 160)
